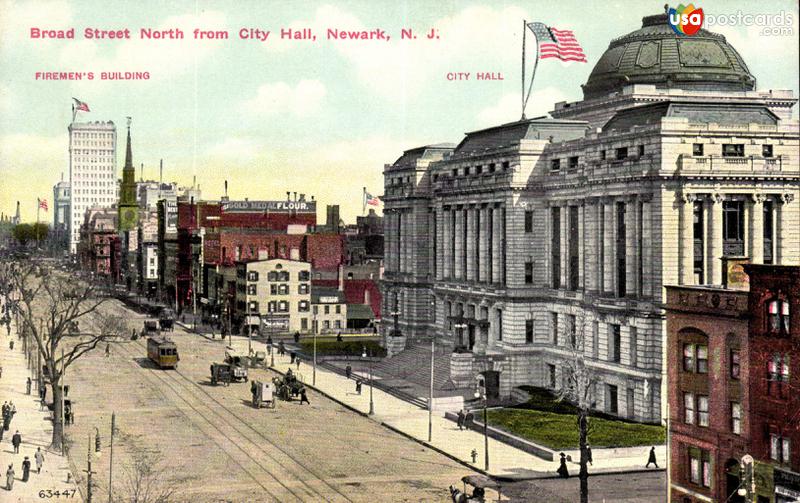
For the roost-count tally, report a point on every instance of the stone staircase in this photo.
(414, 365)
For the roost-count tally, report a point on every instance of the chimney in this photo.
(295, 196)
(288, 195)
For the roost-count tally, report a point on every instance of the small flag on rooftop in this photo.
(371, 200)
(43, 204)
(80, 106)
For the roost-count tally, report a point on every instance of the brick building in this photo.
(671, 162)
(734, 387)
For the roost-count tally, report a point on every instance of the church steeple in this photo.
(128, 205)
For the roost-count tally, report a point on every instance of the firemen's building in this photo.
(510, 243)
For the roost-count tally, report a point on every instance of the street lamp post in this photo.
(314, 371)
(371, 403)
(481, 393)
(395, 315)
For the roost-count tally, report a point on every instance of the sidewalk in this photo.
(504, 461)
(34, 427)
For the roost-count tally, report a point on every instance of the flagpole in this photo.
(522, 91)
(364, 201)
(38, 207)
(533, 75)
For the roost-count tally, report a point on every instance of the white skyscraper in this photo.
(92, 171)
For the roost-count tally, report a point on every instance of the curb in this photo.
(440, 451)
(545, 476)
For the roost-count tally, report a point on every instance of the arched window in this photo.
(778, 316)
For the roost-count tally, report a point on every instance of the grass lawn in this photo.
(551, 423)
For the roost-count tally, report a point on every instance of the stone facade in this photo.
(504, 246)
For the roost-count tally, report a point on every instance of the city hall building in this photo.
(527, 239)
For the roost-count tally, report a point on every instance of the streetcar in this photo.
(162, 352)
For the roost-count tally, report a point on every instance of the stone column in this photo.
(647, 246)
(497, 241)
(715, 239)
(631, 247)
(757, 228)
(789, 237)
(483, 250)
(458, 273)
(686, 238)
(469, 215)
(581, 246)
(589, 246)
(439, 258)
(447, 240)
(609, 229)
(564, 248)
(599, 225)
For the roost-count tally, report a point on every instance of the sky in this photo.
(317, 117)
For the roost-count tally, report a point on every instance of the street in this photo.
(645, 487)
(208, 443)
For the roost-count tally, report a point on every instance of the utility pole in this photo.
(89, 470)
(430, 392)
(314, 372)
(63, 389)
(111, 456)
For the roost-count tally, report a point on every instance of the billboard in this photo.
(265, 206)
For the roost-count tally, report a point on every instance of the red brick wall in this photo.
(776, 412)
(324, 251)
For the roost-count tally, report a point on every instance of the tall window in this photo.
(551, 372)
(688, 408)
(702, 410)
(768, 232)
(695, 358)
(528, 273)
(778, 316)
(555, 246)
(733, 228)
(700, 467)
(614, 343)
(735, 364)
(778, 375)
(612, 403)
(528, 331)
(529, 221)
(634, 338)
(736, 418)
(554, 328)
(499, 324)
(779, 448)
(571, 329)
(574, 247)
(621, 251)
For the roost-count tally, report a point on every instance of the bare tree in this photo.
(144, 480)
(577, 388)
(51, 312)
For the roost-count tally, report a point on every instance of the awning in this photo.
(359, 312)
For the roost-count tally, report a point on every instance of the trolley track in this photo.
(256, 455)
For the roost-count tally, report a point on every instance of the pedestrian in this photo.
(26, 469)
(652, 458)
(461, 419)
(11, 344)
(469, 417)
(28, 386)
(296, 337)
(297, 361)
(358, 387)
(338, 337)
(474, 455)
(15, 441)
(39, 457)
(5, 408)
(7, 420)
(348, 370)
(10, 477)
(108, 350)
(589, 454)
(304, 397)
(291, 357)
(563, 472)
(43, 392)
(281, 348)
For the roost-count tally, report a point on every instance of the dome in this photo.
(655, 54)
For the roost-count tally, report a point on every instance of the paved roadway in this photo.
(644, 487)
(209, 444)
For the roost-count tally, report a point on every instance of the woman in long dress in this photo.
(10, 477)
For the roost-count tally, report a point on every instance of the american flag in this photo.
(370, 199)
(43, 204)
(554, 43)
(80, 105)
